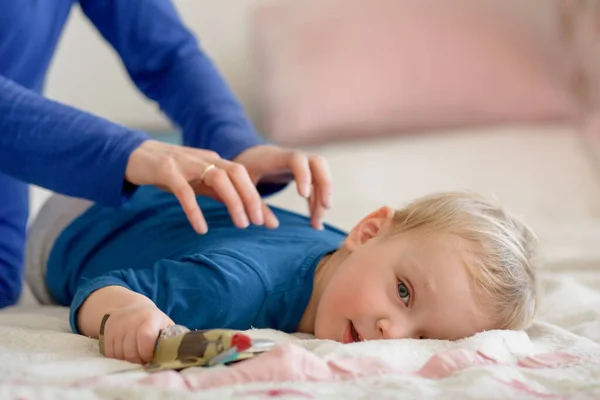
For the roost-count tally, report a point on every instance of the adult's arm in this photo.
(165, 61)
(63, 149)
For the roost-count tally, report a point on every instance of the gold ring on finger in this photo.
(208, 168)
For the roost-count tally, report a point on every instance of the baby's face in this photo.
(410, 285)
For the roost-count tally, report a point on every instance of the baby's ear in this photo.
(369, 227)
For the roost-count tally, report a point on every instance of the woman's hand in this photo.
(186, 172)
(272, 164)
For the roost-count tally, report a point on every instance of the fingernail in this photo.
(244, 220)
(273, 223)
(306, 190)
(201, 228)
(257, 217)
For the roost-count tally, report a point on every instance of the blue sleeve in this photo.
(196, 291)
(63, 149)
(14, 210)
(166, 63)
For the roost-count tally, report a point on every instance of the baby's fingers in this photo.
(130, 348)
(113, 343)
(146, 337)
(109, 346)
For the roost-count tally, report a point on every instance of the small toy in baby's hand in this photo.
(178, 347)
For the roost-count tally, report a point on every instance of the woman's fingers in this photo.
(232, 185)
(252, 202)
(299, 165)
(183, 171)
(313, 180)
(271, 220)
(181, 188)
(322, 181)
(317, 210)
(219, 181)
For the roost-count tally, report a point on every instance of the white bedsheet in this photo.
(545, 175)
(42, 359)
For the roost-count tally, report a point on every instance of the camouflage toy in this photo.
(178, 347)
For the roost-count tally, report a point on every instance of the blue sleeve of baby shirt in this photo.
(197, 291)
(164, 60)
(63, 149)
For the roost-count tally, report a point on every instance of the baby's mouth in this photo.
(355, 336)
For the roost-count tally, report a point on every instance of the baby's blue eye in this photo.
(404, 293)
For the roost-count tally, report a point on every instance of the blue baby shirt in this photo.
(229, 278)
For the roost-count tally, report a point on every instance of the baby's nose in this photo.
(390, 330)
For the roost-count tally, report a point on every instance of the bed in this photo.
(549, 175)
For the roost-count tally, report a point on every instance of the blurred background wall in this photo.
(88, 74)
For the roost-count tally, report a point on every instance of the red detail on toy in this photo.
(241, 341)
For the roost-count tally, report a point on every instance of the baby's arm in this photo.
(198, 291)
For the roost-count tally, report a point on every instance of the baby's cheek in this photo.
(353, 287)
(355, 299)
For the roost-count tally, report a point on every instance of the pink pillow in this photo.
(333, 69)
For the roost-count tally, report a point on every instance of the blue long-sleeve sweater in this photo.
(76, 153)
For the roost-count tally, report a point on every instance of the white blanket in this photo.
(42, 359)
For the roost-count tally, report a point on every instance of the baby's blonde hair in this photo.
(502, 266)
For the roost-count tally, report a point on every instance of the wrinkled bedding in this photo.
(557, 358)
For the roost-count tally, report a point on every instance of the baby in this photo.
(446, 266)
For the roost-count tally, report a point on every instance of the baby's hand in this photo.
(130, 333)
